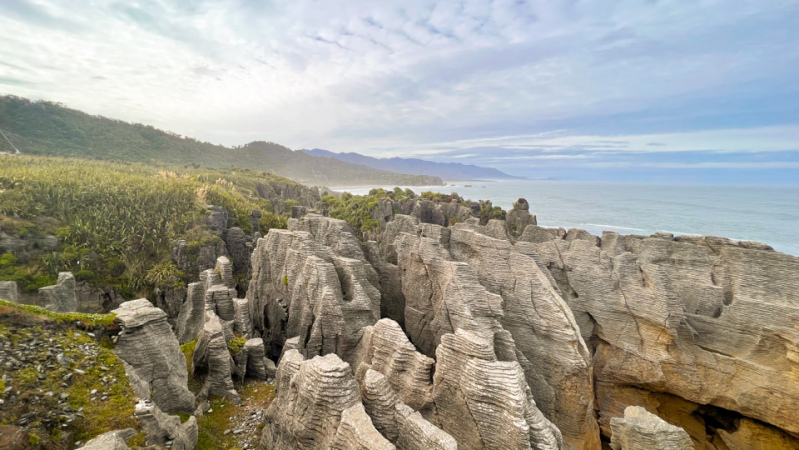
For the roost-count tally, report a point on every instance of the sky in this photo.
(683, 91)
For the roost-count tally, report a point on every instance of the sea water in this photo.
(768, 214)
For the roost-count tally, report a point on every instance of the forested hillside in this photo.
(44, 128)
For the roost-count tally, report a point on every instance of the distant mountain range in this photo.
(52, 129)
(447, 171)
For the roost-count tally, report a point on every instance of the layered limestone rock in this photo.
(484, 402)
(398, 422)
(60, 297)
(385, 349)
(211, 354)
(242, 321)
(112, 440)
(315, 285)
(192, 313)
(710, 428)
(706, 319)
(147, 343)
(543, 327)
(225, 270)
(641, 430)
(318, 406)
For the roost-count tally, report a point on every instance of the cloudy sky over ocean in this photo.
(580, 89)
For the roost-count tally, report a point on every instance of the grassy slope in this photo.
(116, 221)
(40, 334)
(43, 128)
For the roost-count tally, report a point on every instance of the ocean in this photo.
(768, 214)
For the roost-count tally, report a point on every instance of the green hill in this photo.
(45, 128)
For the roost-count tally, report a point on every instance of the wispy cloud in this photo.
(466, 81)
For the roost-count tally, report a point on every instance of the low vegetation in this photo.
(115, 222)
(63, 385)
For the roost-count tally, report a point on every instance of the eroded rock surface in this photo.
(309, 411)
(60, 297)
(147, 343)
(315, 283)
(702, 318)
(641, 430)
(211, 354)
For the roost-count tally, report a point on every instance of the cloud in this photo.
(468, 80)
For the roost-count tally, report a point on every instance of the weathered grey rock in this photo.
(8, 291)
(219, 299)
(161, 428)
(519, 218)
(392, 300)
(396, 421)
(543, 329)
(242, 321)
(147, 343)
(170, 299)
(225, 270)
(386, 349)
(209, 251)
(270, 368)
(216, 218)
(298, 211)
(255, 221)
(401, 224)
(416, 433)
(111, 440)
(192, 314)
(701, 318)
(254, 348)
(641, 430)
(303, 286)
(239, 248)
(210, 278)
(484, 403)
(308, 412)
(97, 299)
(60, 297)
(442, 295)
(535, 234)
(180, 254)
(356, 432)
(211, 354)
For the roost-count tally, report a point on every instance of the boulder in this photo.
(147, 343)
(641, 430)
(111, 440)
(60, 297)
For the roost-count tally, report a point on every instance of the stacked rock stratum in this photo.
(500, 334)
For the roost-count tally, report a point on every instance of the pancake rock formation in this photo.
(459, 327)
